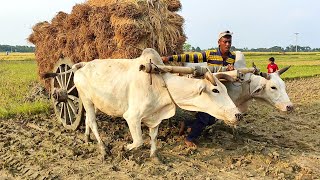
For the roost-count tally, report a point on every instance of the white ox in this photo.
(270, 88)
(117, 88)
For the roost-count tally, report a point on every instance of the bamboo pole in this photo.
(196, 70)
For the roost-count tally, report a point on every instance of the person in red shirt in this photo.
(272, 67)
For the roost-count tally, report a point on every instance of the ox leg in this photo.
(136, 133)
(91, 121)
(153, 132)
(87, 132)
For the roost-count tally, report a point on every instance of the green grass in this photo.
(15, 80)
(18, 71)
(304, 64)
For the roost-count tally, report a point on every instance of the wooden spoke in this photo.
(65, 76)
(64, 112)
(70, 113)
(72, 97)
(61, 110)
(69, 80)
(62, 77)
(71, 89)
(72, 106)
(59, 81)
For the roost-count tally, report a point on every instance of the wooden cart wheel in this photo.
(66, 102)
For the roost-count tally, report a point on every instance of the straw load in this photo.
(108, 29)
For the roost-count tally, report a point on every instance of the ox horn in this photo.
(265, 75)
(225, 76)
(280, 71)
(208, 75)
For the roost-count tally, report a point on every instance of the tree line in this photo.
(291, 48)
(187, 48)
(8, 48)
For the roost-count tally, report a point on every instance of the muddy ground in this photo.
(270, 145)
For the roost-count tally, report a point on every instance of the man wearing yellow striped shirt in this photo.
(220, 57)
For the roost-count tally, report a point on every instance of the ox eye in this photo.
(273, 87)
(215, 90)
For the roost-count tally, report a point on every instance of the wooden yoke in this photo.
(195, 71)
(152, 68)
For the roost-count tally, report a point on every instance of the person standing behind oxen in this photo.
(217, 57)
(272, 66)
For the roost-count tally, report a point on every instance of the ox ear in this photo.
(265, 75)
(257, 91)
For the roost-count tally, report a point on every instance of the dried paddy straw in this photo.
(108, 29)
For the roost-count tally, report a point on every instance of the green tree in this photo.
(4, 48)
(186, 47)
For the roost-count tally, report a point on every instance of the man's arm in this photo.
(187, 57)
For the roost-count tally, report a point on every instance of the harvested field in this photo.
(270, 145)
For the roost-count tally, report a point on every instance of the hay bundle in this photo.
(108, 29)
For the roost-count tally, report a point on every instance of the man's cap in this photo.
(224, 33)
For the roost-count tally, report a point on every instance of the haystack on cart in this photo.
(101, 29)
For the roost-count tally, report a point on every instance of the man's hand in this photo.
(165, 59)
(230, 67)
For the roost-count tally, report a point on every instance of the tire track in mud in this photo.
(20, 170)
(15, 138)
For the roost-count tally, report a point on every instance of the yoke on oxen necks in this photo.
(197, 71)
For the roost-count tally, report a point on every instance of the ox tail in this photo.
(74, 68)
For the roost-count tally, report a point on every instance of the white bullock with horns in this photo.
(268, 87)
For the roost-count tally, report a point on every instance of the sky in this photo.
(254, 23)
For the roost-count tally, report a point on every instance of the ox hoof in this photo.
(133, 145)
(87, 139)
(103, 157)
(156, 160)
(153, 154)
(130, 146)
(103, 151)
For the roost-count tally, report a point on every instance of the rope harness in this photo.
(164, 82)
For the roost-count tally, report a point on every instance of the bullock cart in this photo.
(101, 30)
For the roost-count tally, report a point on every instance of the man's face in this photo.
(225, 44)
